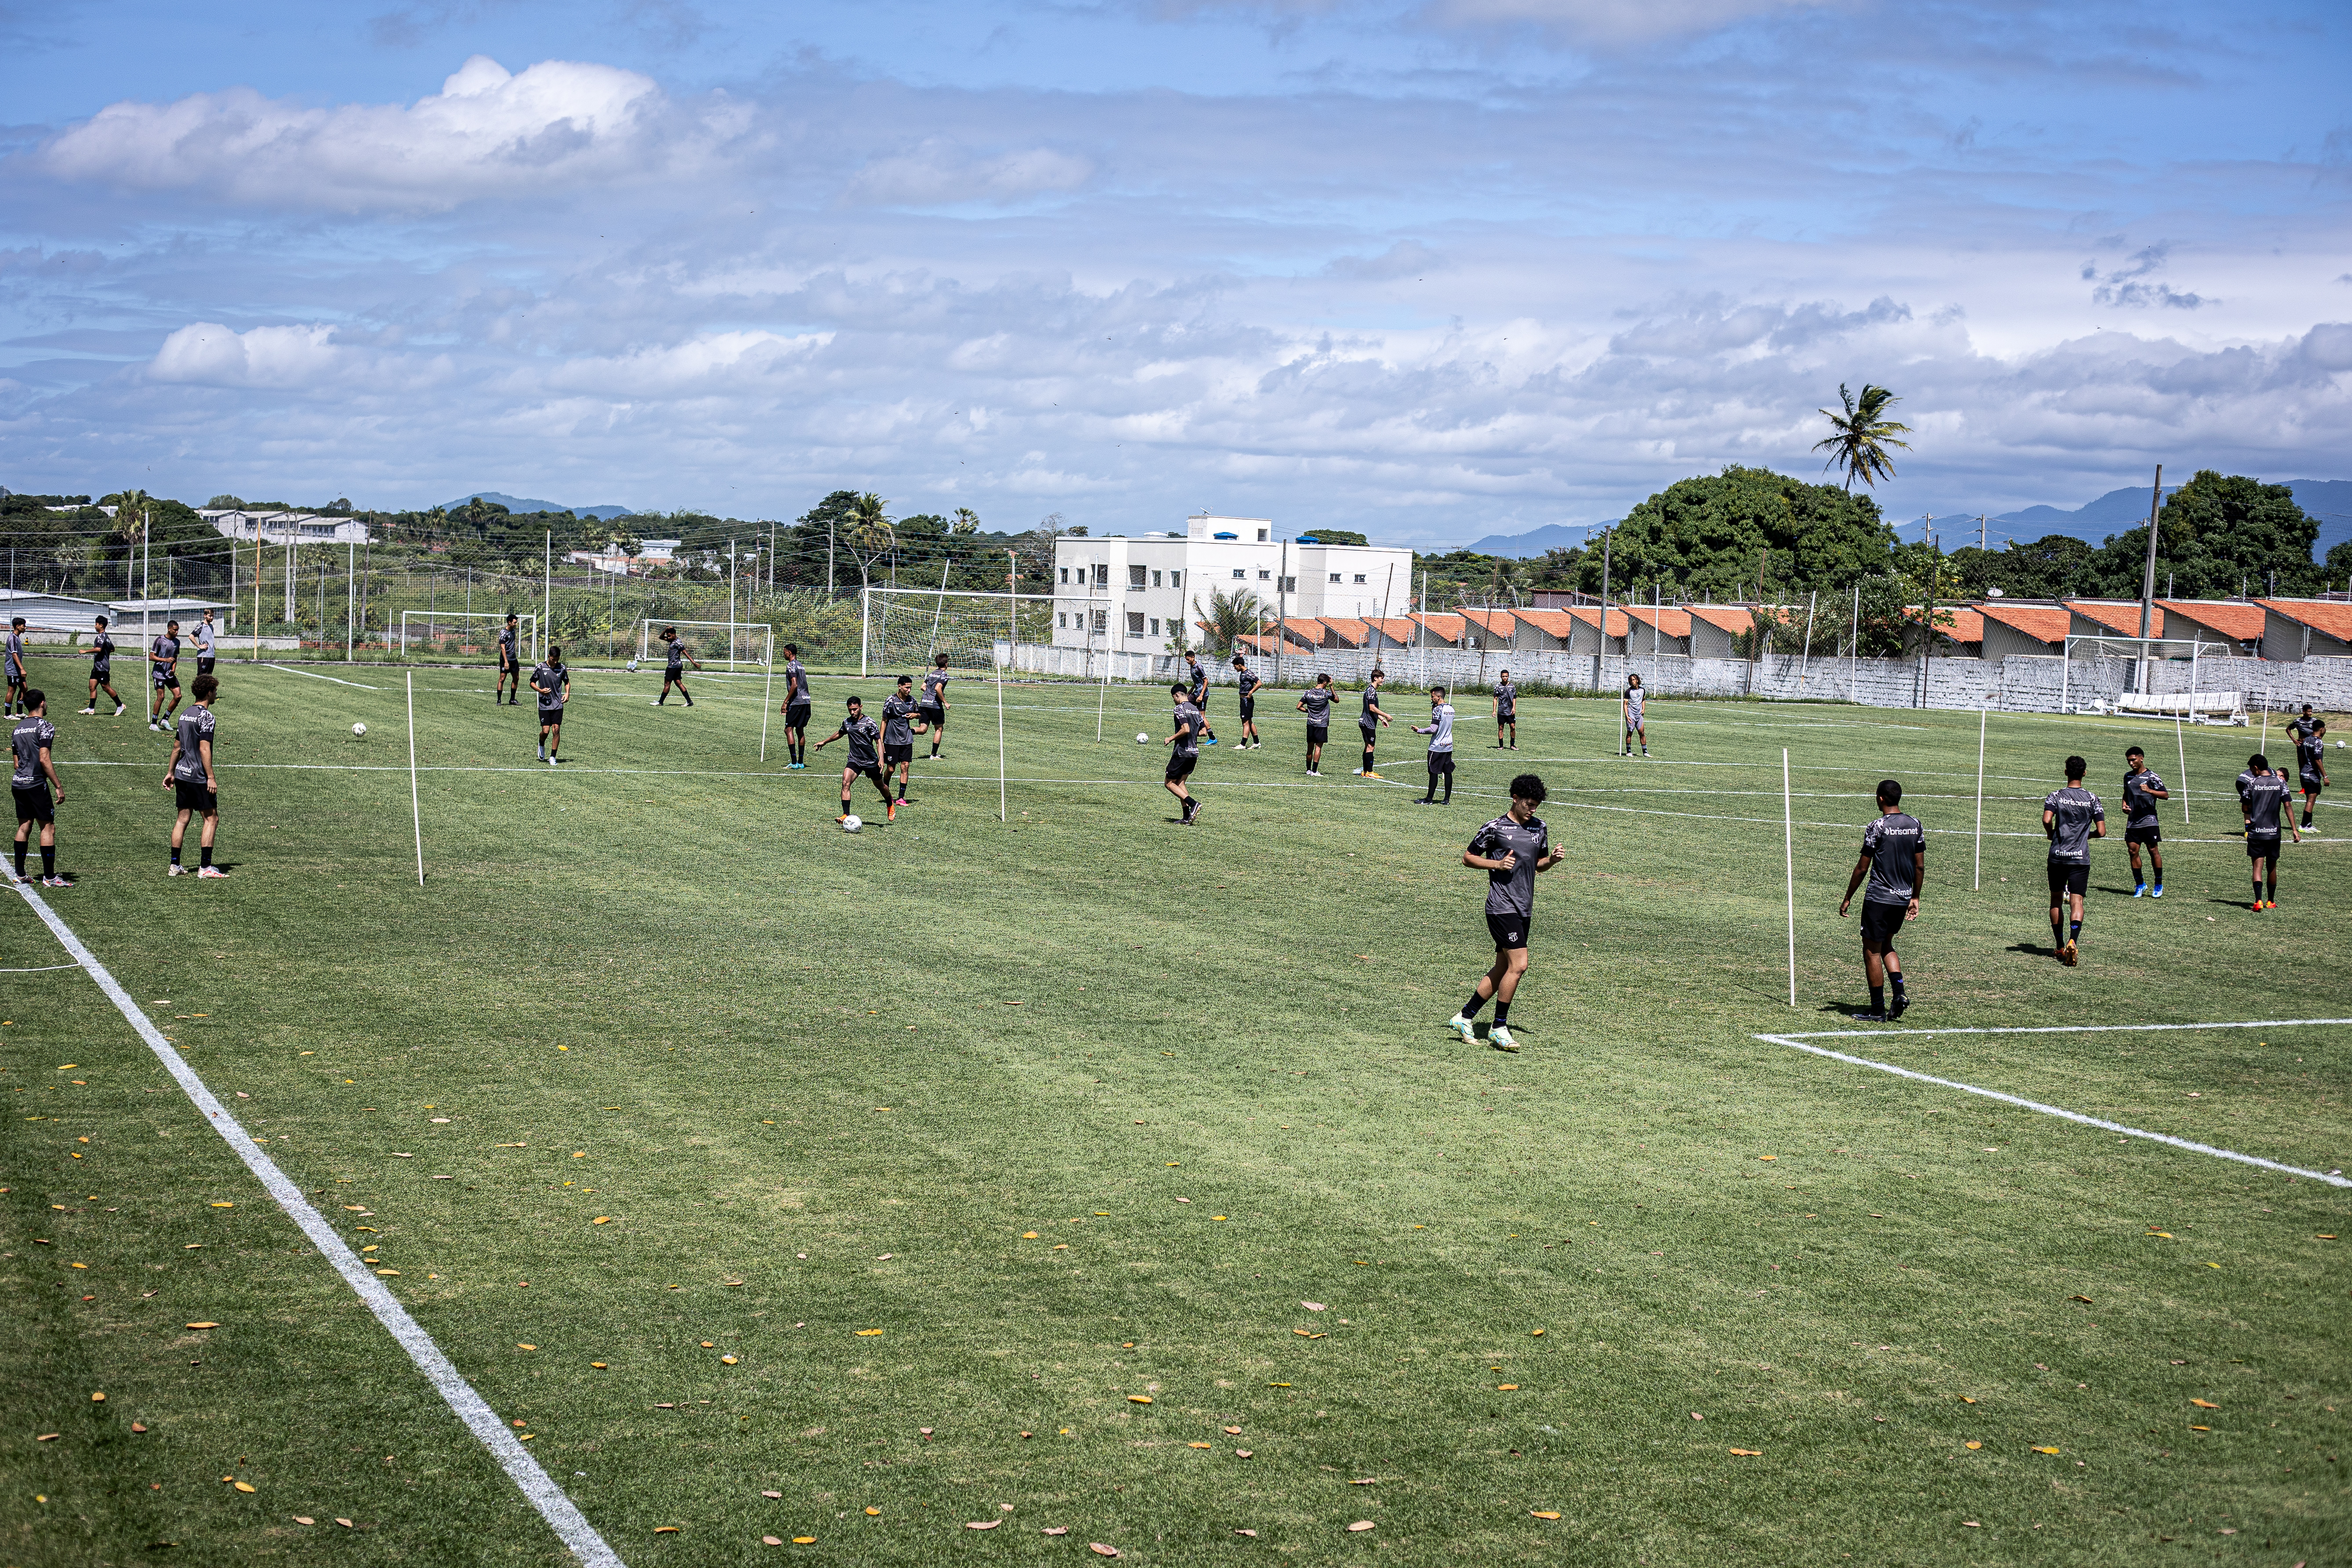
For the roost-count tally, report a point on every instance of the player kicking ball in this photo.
(864, 760)
(1510, 849)
(1440, 731)
(2142, 790)
(2264, 797)
(1185, 751)
(674, 672)
(2072, 817)
(35, 783)
(190, 776)
(1894, 857)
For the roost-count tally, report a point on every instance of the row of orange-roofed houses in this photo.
(2283, 630)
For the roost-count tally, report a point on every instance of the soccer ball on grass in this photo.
(359, 729)
(853, 824)
(1143, 737)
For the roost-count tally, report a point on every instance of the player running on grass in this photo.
(553, 684)
(899, 732)
(101, 670)
(1635, 699)
(1510, 849)
(2142, 790)
(1184, 749)
(12, 657)
(2072, 817)
(1246, 679)
(1196, 680)
(864, 759)
(1316, 703)
(1371, 720)
(509, 685)
(2311, 762)
(190, 776)
(795, 708)
(1440, 731)
(163, 661)
(933, 709)
(35, 783)
(2264, 797)
(1506, 711)
(674, 672)
(1894, 857)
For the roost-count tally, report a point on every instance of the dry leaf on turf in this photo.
(1749, 1453)
(982, 1523)
(1312, 1306)
(1543, 1513)
(1056, 1530)
(2204, 1405)
(803, 1541)
(2085, 1300)
(1243, 1454)
(597, 1365)
(1099, 1550)
(2192, 1430)
(1361, 1524)
(1196, 1445)
(1233, 1431)
(244, 1485)
(1251, 1533)
(48, 1438)
(346, 1524)
(304, 1519)
(772, 1494)
(520, 1347)
(867, 1333)
(1139, 1399)
(203, 1325)
(770, 1541)
(1973, 1443)
(726, 1361)
(665, 1529)
(2045, 1451)
(601, 1219)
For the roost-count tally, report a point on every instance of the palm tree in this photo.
(1857, 442)
(1228, 617)
(966, 521)
(870, 536)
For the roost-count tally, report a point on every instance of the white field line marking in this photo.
(569, 1525)
(1797, 1042)
(314, 674)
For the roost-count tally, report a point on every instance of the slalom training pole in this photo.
(1788, 856)
(415, 812)
(767, 692)
(1977, 886)
(2180, 739)
(1012, 610)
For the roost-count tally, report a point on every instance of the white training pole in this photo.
(2180, 739)
(415, 812)
(1012, 610)
(1978, 884)
(2265, 746)
(767, 704)
(1788, 856)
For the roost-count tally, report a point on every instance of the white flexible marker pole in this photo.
(416, 813)
(1789, 855)
(767, 701)
(2180, 739)
(1978, 884)
(1013, 609)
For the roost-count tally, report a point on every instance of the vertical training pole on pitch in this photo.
(2265, 746)
(1013, 613)
(767, 706)
(2180, 739)
(1978, 885)
(864, 620)
(1789, 857)
(415, 812)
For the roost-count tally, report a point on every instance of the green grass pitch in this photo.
(1084, 1108)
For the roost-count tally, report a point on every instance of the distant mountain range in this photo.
(2328, 500)
(523, 503)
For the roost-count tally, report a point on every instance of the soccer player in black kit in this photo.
(1196, 680)
(101, 670)
(1510, 849)
(2264, 797)
(1894, 858)
(2072, 817)
(674, 672)
(1246, 679)
(932, 710)
(1317, 705)
(796, 710)
(864, 738)
(509, 685)
(2142, 790)
(35, 783)
(899, 733)
(1185, 751)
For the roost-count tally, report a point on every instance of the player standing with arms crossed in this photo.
(2311, 760)
(2264, 797)
(1246, 679)
(1440, 731)
(1185, 751)
(163, 661)
(1371, 720)
(864, 759)
(1894, 858)
(32, 782)
(2072, 817)
(2142, 790)
(101, 670)
(190, 776)
(1506, 711)
(933, 709)
(509, 685)
(1635, 700)
(674, 672)
(795, 709)
(12, 657)
(1316, 703)
(1510, 849)
(553, 684)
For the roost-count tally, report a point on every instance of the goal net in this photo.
(710, 642)
(465, 633)
(904, 630)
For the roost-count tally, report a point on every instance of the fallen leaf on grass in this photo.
(244, 1486)
(2085, 1300)
(1543, 1513)
(346, 1524)
(770, 1541)
(1973, 1443)
(1966, 1400)
(1507, 1387)
(1768, 1156)
(1312, 1306)
(1055, 1530)
(772, 1494)
(203, 1325)
(2204, 1405)
(138, 1426)
(1251, 1533)
(304, 1519)
(803, 1541)
(598, 1365)
(1361, 1524)
(1139, 1399)
(1303, 1334)
(1233, 1431)
(1970, 1524)
(982, 1523)
(48, 1438)
(521, 1347)
(1243, 1454)
(601, 1219)
(867, 1333)
(1749, 1453)
(1099, 1550)
(2045, 1451)
(2200, 1428)
(665, 1529)
(1535, 1334)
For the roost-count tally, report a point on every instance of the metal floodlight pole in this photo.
(547, 591)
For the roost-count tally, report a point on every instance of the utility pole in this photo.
(2148, 580)
(547, 590)
(828, 558)
(1281, 608)
(1600, 648)
(1981, 534)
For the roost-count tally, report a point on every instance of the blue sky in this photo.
(1431, 268)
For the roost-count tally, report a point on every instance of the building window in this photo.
(1065, 573)
(1239, 572)
(1155, 625)
(1359, 576)
(1135, 577)
(1290, 584)
(1175, 579)
(1102, 620)
(1263, 576)
(1155, 579)
(1335, 576)
(1061, 622)
(1261, 536)
(1135, 623)
(1102, 574)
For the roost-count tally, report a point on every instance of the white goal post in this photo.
(445, 625)
(712, 642)
(902, 631)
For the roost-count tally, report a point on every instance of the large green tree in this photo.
(2216, 533)
(1715, 534)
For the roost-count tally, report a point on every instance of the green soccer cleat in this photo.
(1462, 1026)
(1499, 1037)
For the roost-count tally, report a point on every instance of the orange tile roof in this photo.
(2043, 623)
(1396, 629)
(1351, 633)
(1493, 623)
(1620, 624)
(2240, 622)
(1736, 619)
(2335, 619)
(2117, 614)
(1552, 623)
(1966, 624)
(1671, 619)
(1444, 626)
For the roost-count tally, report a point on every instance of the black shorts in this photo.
(2067, 877)
(194, 796)
(676, 672)
(102, 671)
(1201, 699)
(1369, 731)
(1318, 734)
(203, 667)
(1180, 767)
(867, 771)
(17, 677)
(2263, 848)
(1509, 931)
(1440, 763)
(934, 717)
(2313, 783)
(796, 717)
(2151, 833)
(551, 715)
(33, 803)
(1880, 922)
(1249, 709)
(1508, 716)
(892, 755)
(164, 681)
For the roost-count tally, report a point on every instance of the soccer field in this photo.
(979, 1191)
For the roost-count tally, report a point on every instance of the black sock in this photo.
(176, 854)
(1470, 1008)
(1502, 1014)
(1878, 998)
(48, 860)
(2273, 889)
(2077, 934)
(2058, 933)
(1367, 759)
(2137, 880)
(1895, 980)
(845, 806)
(20, 856)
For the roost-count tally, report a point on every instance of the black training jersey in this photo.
(1196, 676)
(897, 721)
(1247, 680)
(31, 736)
(1512, 892)
(1367, 720)
(196, 726)
(796, 687)
(1891, 842)
(863, 735)
(676, 655)
(1317, 701)
(507, 643)
(2140, 806)
(2263, 796)
(1506, 699)
(167, 652)
(1187, 731)
(2075, 809)
(2310, 753)
(17, 654)
(102, 651)
(548, 682)
(2300, 728)
(935, 688)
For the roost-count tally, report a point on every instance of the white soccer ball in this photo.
(359, 729)
(853, 824)
(1143, 737)
(633, 666)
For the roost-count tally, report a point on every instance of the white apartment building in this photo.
(285, 527)
(1135, 596)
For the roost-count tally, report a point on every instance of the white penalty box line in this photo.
(1798, 1042)
(562, 1514)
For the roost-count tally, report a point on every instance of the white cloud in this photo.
(487, 132)
(937, 173)
(1612, 21)
(205, 353)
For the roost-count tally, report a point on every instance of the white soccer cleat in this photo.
(178, 870)
(1461, 1025)
(1499, 1037)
